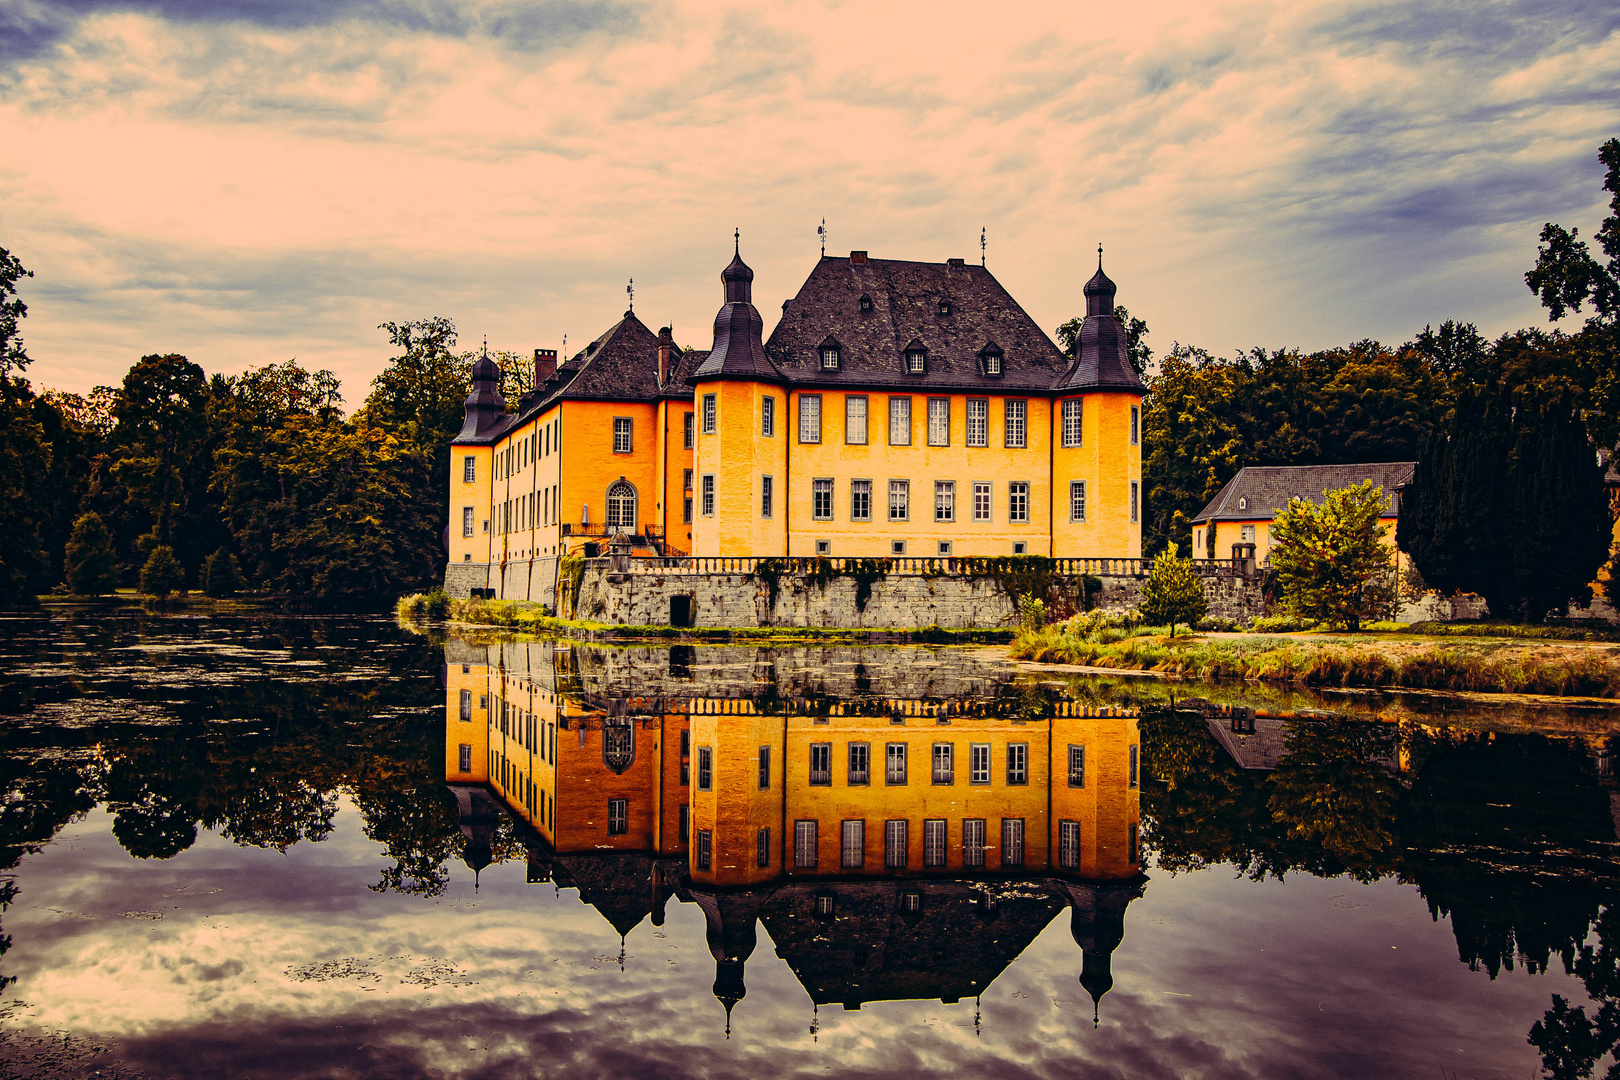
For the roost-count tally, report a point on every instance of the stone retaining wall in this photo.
(521, 579)
(618, 591)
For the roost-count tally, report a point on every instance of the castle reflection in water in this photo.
(904, 833)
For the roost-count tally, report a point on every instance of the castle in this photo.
(899, 409)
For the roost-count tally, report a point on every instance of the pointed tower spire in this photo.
(739, 350)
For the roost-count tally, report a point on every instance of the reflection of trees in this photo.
(1510, 837)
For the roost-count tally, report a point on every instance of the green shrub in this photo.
(1174, 593)
(1281, 624)
(92, 567)
(222, 575)
(1216, 624)
(1031, 612)
(162, 574)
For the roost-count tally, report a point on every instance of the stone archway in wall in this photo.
(621, 507)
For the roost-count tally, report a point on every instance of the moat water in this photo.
(261, 846)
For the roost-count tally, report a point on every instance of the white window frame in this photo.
(899, 421)
(973, 843)
(767, 416)
(1136, 491)
(822, 485)
(1136, 425)
(896, 841)
(1012, 843)
(1069, 845)
(829, 357)
(978, 763)
(939, 421)
(1077, 500)
(860, 487)
(820, 755)
(984, 498)
(810, 418)
(852, 844)
(894, 764)
(766, 496)
(857, 424)
(1018, 502)
(805, 842)
(936, 839)
(469, 470)
(707, 504)
(944, 763)
(1015, 417)
(623, 435)
(1073, 421)
(689, 426)
(711, 413)
(900, 500)
(944, 500)
(859, 758)
(978, 426)
(1017, 764)
(467, 517)
(1077, 765)
(705, 768)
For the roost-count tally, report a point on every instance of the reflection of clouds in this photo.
(249, 181)
(286, 965)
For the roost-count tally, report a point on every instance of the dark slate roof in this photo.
(1102, 360)
(738, 352)
(676, 387)
(906, 305)
(1261, 750)
(1269, 487)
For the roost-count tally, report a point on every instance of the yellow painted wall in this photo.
(676, 459)
(474, 548)
(589, 464)
(922, 465)
(1109, 463)
(739, 456)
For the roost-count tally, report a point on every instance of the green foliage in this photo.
(1216, 624)
(162, 574)
(1566, 275)
(1281, 624)
(434, 604)
(1330, 558)
(770, 571)
(1173, 593)
(1509, 504)
(1031, 612)
(161, 420)
(1137, 350)
(92, 567)
(222, 575)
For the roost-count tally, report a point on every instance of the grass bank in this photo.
(1499, 667)
(526, 618)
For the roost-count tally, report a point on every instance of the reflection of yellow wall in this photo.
(473, 732)
(735, 808)
(1106, 801)
(1109, 463)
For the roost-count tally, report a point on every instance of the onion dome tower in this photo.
(485, 406)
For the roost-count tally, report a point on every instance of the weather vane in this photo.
(821, 231)
(630, 290)
(982, 243)
(736, 241)
(1099, 256)
(486, 346)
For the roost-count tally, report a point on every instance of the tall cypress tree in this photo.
(1561, 530)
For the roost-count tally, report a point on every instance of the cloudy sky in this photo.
(245, 181)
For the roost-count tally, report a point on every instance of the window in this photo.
(809, 418)
(934, 842)
(1131, 773)
(621, 434)
(708, 494)
(684, 825)
(1069, 845)
(618, 817)
(686, 510)
(825, 902)
(895, 772)
(705, 768)
(899, 500)
(1136, 416)
(466, 707)
(821, 763)
(972, 843)
(897, 547)
(1135, 844)
(469, 470)
(764, 768)
(939, 421)
(1017, 763)
(621, 506)
(804, 844)
(944, 500)
(1016, 413)
(1012, 843)
(686, 432)
(855, 420)
(981, 502)
(823, 547)
(860, 762)
(865, 302)
(991, 360)
(1246, 533)
(860, 500)
(705, 849)
(466, 521)
(767, 417)
(829, 358)
(852, 845)
(978, 763)
(899, 421)
(464, 758)
(1135, 489)
(978, 422)
(765, 496)
(896, 836)
(686, 479)
(821, 499)
(1018, 502)
(686, 754)
(1077, 500)
(762, 848)
(1077, 766)
(708, 414)
(944, 763)
(944, 547)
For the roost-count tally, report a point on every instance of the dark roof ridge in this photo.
(1267, 488)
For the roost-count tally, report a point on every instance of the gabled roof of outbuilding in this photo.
(1267, 488)
(905, 307)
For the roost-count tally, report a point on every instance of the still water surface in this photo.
(327, 847)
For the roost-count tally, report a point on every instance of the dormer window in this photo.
(829, 351)
(944, 307)
(990, 360)
(866, 302)
(916, 358)
(1243, 503)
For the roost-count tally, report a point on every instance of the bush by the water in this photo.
(91, 563)
(222, 575)
(1031, 612)
(1217, 624)
(1173, 593)
(1281, 624)
(161, 575)
(434, 604)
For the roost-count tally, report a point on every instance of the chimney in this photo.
(857, 258)
(955, 262)
(545, 364)
(666, 345)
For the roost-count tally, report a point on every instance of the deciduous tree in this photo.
(1173, 593)
(1331, 561)
(92, 566)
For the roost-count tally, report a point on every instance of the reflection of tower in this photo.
(731, 918)
(737, 775)
(480, 816)
(1098, 925)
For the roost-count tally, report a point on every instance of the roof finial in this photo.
(736, 241)
(1099, 256)
(982, 243)
(822, 232)
(486, 346)
(630, 290)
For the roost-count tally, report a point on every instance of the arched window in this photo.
(621, 506)
(618, 744)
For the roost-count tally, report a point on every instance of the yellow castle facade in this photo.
(898, 409)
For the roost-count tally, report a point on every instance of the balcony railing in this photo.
(963, 565)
